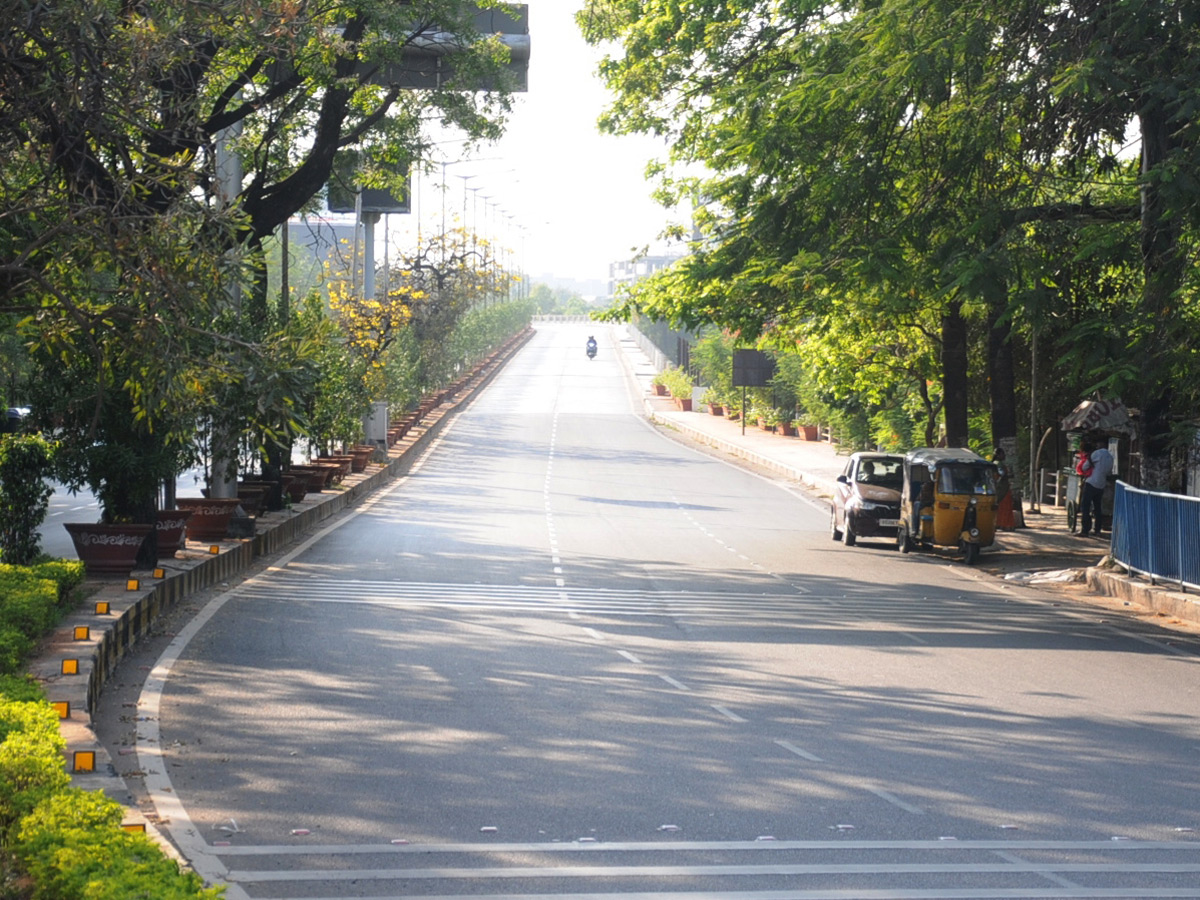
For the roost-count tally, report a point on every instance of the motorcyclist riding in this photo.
(591, 347)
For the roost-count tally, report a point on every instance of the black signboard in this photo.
(343, 189)
(752, 368)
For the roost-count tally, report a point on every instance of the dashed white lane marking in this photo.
(678, 685)
(629, 656)
(799, 751)
(727, 713)
(895, 801)
(704, 530)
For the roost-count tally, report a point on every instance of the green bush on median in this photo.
(59, 842)
(32, 600)
(73, 847)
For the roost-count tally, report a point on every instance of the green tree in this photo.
(25, 464)
(148, 149)
(909, 149)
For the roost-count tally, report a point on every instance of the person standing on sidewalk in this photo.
(1093, 487)
(1005, 519)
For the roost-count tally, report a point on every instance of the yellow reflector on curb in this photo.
(85, 761)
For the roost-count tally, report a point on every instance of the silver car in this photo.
(866, 499)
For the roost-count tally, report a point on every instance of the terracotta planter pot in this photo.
(316, 477)
(660, 390)
(809, 432)
(252, 499)
(333, 470)
(210, 516)
(296, 488)
(362, 456)
(344, 461)
(171, 526)
(252, 496)
(107, 549)
(684, 403)
(273, 492)
(716, 409)
(787, 429)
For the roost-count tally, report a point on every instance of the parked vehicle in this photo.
(13, 419)
(866, 500)
(948, 499)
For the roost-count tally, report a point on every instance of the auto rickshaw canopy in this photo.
(932, 457)
(956, 470)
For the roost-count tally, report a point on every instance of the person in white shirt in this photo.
(1099, 467)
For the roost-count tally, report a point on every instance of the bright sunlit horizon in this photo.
(563, 199)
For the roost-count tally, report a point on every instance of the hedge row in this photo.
(32, 600)
(59, 842)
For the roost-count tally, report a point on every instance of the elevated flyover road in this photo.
(570, 657)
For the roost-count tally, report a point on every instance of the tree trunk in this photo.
(1002, 383)
(954, 375)
(931, 412)
(1162, 269)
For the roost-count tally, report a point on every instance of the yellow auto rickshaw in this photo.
(948, 500)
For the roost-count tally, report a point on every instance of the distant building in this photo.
(674, 347)
(630, 271)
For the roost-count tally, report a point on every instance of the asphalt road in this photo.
(571, 657)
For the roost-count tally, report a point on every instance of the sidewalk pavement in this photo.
(1044, 552)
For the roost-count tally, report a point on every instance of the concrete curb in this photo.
(1154, 597)
(78, 657)
(814, 482)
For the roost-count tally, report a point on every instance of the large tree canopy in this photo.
(148, 146)
(915, 150)
(137, 132)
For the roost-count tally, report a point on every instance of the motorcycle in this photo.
(591, 348)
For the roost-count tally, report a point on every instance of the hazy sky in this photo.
(582, 198)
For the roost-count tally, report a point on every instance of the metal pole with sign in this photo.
(751, 368)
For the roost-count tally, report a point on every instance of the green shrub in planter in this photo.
(677, 382)
(27, 603)
(31, 762)
(74, 848)
(31, 601)
(66, 573)
(28, 609)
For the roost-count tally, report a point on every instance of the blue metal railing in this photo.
(1157, 535)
